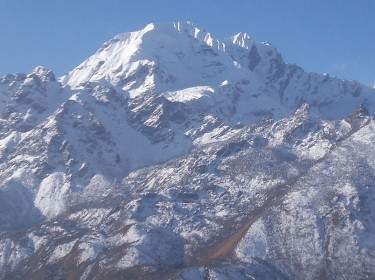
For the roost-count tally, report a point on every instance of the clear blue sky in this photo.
(334, 36)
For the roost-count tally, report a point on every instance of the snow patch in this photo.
(254, 243)
(61, 251)
(50, 199)
(189, 94)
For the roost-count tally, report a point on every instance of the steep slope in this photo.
(169, 154)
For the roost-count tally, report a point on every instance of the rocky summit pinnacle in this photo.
(170, 154)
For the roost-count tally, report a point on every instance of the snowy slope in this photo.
(169, 154)
(172, 57)
(27, 100)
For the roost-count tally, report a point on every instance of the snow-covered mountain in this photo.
(169, 154)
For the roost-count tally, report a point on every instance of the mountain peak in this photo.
(165, 58)
(180, 28)
(159, 49)
(161, 28)
(185, 26)
(43, 73)
(167, 136)
(242, 39)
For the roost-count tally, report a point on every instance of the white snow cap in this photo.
(168, 28)
(242, 39)
(43, 73)
(125, 54)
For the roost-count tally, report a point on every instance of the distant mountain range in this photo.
(169, 154)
